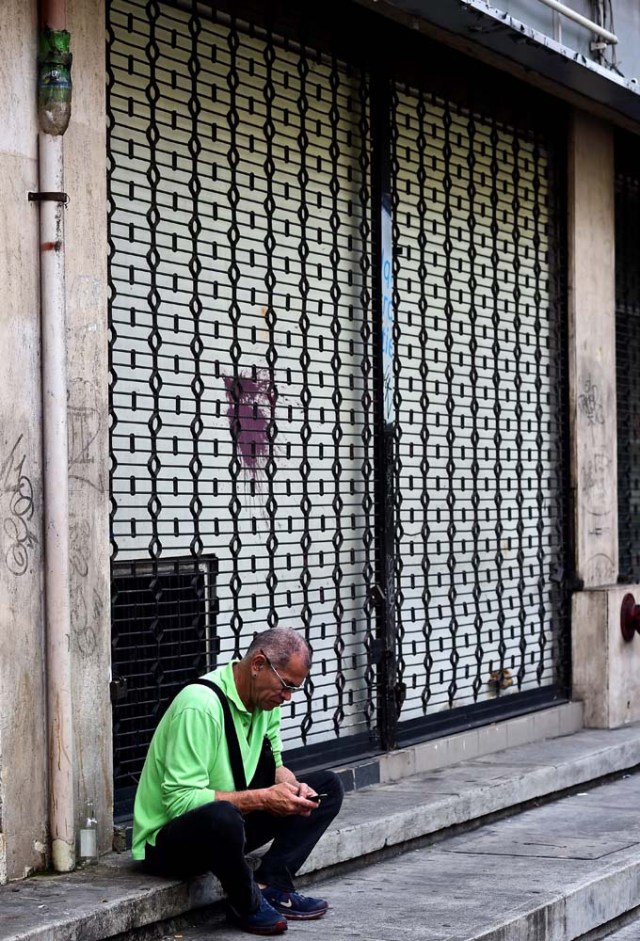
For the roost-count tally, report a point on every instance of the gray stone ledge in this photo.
(116, 897)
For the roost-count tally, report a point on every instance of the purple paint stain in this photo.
(249, 413)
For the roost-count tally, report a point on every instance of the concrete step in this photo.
(553, 873)
(115, 898)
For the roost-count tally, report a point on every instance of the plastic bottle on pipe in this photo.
(88, 837)
(54, 81)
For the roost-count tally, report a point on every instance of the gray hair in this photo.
(280, 644)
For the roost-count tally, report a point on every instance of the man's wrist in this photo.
(245, 801)
(285, 776)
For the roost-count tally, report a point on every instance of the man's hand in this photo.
(287, 798)
(305, 791)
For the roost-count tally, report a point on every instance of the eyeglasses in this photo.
(288, 686)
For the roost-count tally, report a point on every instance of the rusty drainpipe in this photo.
(54, 109)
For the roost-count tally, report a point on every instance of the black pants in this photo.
(215, 837)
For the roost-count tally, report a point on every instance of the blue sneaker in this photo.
(293, 905)
(265, 919)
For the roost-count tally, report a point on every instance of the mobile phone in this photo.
(316, 798)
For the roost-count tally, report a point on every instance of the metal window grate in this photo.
(164, 635)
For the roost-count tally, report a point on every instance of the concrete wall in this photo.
(88, 416)
(22, 709)
(592, 350)
(606, 669)
(606, 674)
(23, 758)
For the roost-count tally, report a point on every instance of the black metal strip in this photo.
(367, 402)
(48, 197)
(271, 318)
(393, 423)
(516, 237)
(384, 429)
(424, 369)
(306, 394)
(472, 193)
(234, 388)
(337, 434)
(498, 395)
(542, 640)
(450, 404)
(155, 337)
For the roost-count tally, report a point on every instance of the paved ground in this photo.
(547, 873)
(630, 932)
(550, 874)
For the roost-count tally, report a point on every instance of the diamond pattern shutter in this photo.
(241, 371)
(479, 385)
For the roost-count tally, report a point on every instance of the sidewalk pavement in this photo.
(630, 932)
(552, 873)
(545, 874)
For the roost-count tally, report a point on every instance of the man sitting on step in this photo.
(193, 810)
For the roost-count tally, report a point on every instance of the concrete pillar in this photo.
(23, 761)
(606, 670)
(23, 747)
(88, 416)
(592, 350)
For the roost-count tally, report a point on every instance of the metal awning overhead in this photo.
(504, 36)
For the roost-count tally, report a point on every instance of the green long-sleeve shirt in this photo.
(188, 759)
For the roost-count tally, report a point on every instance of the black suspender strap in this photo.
(235, 758)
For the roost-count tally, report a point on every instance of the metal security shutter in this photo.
(337, 371)
(628, 354)
(478, 385)
(240, 350)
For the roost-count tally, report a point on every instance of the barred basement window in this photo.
(164, 634)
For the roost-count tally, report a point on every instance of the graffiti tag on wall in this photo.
(16, 501)
(590, 402)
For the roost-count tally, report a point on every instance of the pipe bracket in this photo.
(48, 198)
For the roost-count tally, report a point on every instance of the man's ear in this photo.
(258, 661)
